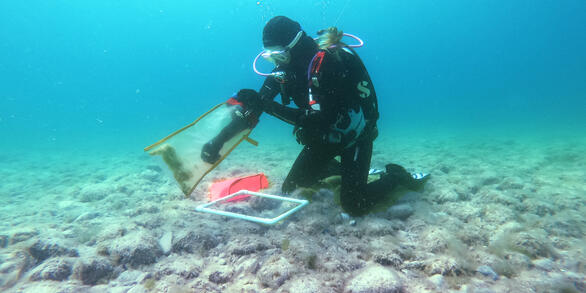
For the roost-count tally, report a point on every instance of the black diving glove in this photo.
(210, 152)
(250, 99)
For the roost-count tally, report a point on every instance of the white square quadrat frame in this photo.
(269, 221)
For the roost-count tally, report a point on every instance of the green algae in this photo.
(311, 261)
(149, 284)
(285, 244)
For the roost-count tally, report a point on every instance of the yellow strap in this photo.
(251, 141)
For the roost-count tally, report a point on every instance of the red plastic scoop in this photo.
(226, 187)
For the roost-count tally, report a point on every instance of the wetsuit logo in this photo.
(362, 87)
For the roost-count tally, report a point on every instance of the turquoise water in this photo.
(487, 96)
(110, 74)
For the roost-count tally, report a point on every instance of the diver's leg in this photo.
(332, 168)
(309, 167)
(384, 185)
(354, 197)
(404, 178)
(394, 176)
(358, 197)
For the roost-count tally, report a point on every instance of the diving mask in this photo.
(281, 55)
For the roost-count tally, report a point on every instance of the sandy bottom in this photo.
(498, 215)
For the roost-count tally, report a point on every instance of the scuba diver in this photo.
(336, 114)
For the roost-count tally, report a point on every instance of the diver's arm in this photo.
(267, 94)
(293, 116)
(249, 107)
(246, 108)
(270, 89)
(210, 152)
(236, 125)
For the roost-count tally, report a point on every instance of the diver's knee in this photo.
(288, 187)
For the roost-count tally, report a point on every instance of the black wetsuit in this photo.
(340, 85)
(336, 115)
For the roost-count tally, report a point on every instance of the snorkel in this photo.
(282, 56)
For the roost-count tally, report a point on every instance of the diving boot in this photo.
(414, 181)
